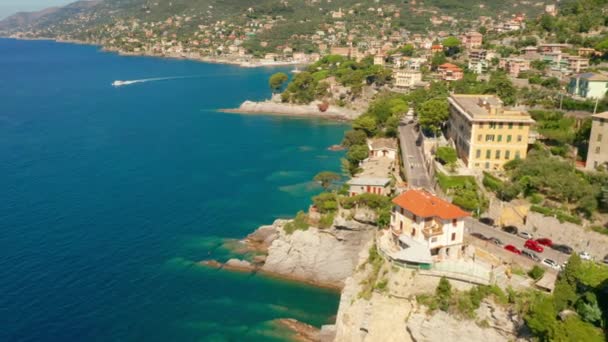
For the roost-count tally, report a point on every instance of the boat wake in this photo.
(119, 83)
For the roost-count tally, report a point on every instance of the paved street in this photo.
(474, 226)
(417, 177)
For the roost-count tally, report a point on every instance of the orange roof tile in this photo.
(449, 66)
(422, 203)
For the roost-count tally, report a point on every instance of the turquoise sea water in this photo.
(110, 196)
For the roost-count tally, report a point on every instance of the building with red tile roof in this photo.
(429, 220)
(450, 72)
(424, 204)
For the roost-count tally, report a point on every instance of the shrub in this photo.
(444, 294)
(543, 210)
(492, 183)
(382, 285)
(300, 222)
(536, 272)
(446, 155)
(325, 202)
(327, 220)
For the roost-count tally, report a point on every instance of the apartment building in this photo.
(478, 62)
(472, 40)
(598, 142)
(486, 134)
(407, 79)
(514, 66)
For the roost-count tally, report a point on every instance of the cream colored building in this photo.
(597, 154)
(424, 226)
(405, 78)
(486, 134)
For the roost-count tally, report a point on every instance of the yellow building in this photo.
(486, 134)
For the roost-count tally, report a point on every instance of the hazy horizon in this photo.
(10, 7)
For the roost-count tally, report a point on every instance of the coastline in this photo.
(256, 63)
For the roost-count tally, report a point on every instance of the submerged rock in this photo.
(239, 265)
(303, 332)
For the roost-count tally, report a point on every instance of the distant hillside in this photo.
(84, 14)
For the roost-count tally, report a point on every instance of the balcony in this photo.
(432, 230)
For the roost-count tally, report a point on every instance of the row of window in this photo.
(500, 125)
(498, 138)
(497, 154)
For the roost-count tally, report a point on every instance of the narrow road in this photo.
(474, 226)
(413, 162)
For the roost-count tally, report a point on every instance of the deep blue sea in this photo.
(109, 198)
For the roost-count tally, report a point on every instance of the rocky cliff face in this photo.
(320, 256)
(393, 314)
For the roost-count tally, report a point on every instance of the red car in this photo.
(533, 245)
(545, 241)
(512, 249)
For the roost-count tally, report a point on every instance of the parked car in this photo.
(525, 235)
(479, 236)
(530, 255)
(563, 248)
(513, 249)
(510, 229)
(533, 245)
(551, 263)
(496, 241)
(545, 241)
(585, 255)
(487, 220)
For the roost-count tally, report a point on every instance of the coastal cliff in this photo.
(324, 257)
(391, 312)
(309, 110)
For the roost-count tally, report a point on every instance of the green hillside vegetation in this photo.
(310, 84)
(97, 20)
(555, 184)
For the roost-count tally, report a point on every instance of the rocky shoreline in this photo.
(319, 257)
(287, 109)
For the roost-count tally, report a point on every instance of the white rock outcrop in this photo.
(278, 108)
(321, 256)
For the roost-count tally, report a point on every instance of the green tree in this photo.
(392, 126)
(541, 319)
(354, 137)
(326, 178)
(277, 80)
(407, 50)
(357, 153)
(451, 41)
(588, 308)
(452, 45)
(602, 46)
(367, 124)
(437, 59)
(564, 294)
(432, 114)
(502, 86)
